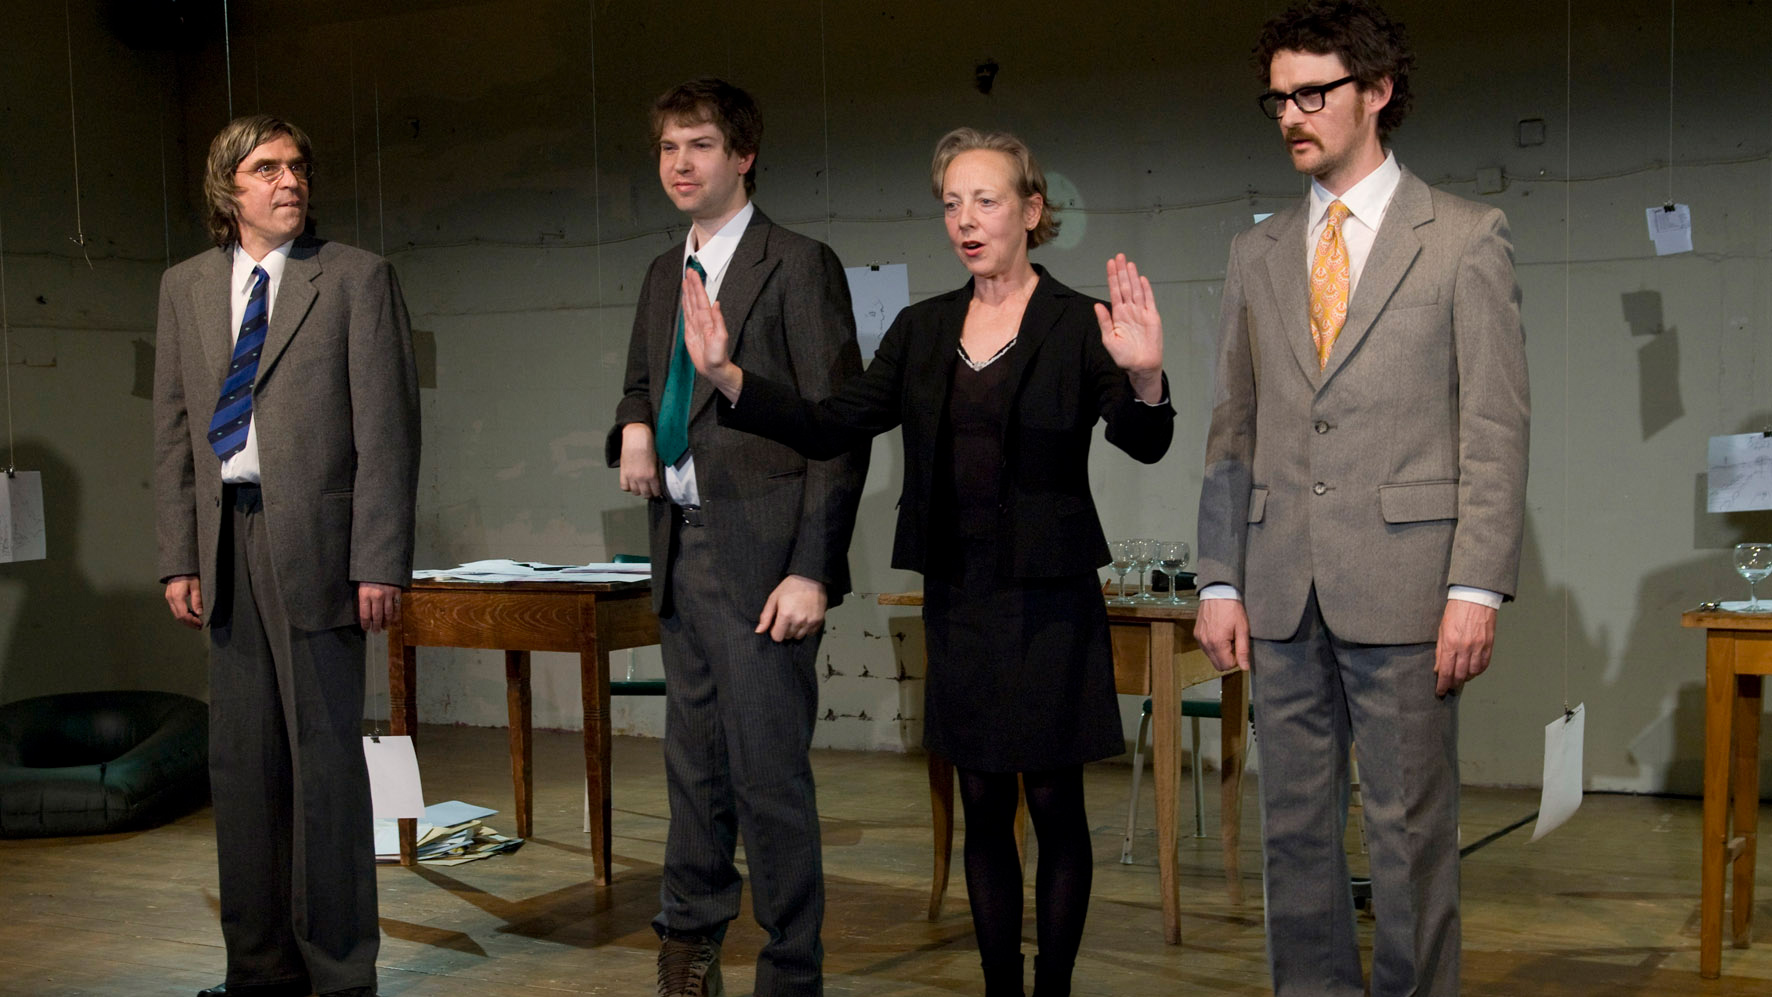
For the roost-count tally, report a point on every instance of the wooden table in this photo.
(1152, 645)
(1737, 655)
(590, 618)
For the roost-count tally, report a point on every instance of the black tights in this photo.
(993, 870)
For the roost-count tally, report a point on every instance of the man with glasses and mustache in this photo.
(286, 468)
(1362, 509)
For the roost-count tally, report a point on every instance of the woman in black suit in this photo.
(998, 386)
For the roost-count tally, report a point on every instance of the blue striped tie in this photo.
(233, 413)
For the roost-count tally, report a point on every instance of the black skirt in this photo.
(1021, 674)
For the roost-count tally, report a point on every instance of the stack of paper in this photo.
(503, 570)
(450, 833)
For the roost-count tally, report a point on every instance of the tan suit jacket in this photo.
(336, 407)
(1401, 467)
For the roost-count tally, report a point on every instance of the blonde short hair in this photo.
(1025, 172)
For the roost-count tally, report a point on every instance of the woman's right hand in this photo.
(704, 336)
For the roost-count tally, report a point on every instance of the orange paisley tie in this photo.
(1330, 276)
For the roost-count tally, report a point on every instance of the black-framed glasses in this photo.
(1309, 99)
(273, 172)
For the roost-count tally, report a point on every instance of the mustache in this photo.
(1293, 134)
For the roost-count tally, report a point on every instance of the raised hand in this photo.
(1132, 330)
(704, 336)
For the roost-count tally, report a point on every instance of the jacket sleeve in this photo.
(1142, 431)
(175, 474)
(1493, 412)
(1223, 521)
(384, 430)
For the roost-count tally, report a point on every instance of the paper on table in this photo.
(1740, 478)
(1562, 771)
(394, 789)
(504, 570)
(1671, 231)
(21, 517)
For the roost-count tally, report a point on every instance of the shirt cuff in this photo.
(1221, 590)
(1156, 404)
(1469, 593)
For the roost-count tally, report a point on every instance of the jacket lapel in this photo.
(1043, 310)
(1290, 280)
(214, 309)
(295, 296)
(749, 268)
(1393, 253)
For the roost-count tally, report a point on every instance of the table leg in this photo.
(403, 717)
(1166, 769)
(1745, 786)
(1233, 744)
(1719, 709)
(517, 704)
(941, 808)
(594, 689)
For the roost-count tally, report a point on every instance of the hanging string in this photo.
(1568, 330)
(165, 199)
(6, 339)
(356, 195)
(597, 176)
(1670, 102)
(824, 93)
(79, 236)
(228, 56)
(381, 216)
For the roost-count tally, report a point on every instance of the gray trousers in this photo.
(1312, 694)
(739, 712)
(292, 814)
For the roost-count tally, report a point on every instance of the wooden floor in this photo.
(1607, 905)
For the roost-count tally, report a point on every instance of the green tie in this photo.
(673, 413)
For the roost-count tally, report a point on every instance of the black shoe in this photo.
(689, 966)
(258, 990)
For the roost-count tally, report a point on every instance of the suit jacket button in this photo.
(1320, 426)
(1319, 488)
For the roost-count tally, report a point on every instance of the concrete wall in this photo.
(497, 153)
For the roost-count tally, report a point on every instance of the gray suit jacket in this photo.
(1399, 469)
(336, 408)
(786, 300)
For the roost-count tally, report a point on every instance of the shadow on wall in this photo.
(68, 637)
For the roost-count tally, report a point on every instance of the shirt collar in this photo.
(1365, 200)
(272, 263)
(718, 250)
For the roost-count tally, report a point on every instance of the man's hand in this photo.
(184, 593)
(639, 462)
(1223, 632)
(1467, 635)
(794, 610)
(704, 336)
(378, 606)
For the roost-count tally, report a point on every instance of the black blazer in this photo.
(1064, 381)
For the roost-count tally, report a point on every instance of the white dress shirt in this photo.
(1366, 202)
(714, 258)
(242, 468)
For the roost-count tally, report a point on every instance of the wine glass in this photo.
(1173, 556)
(1144, 558)
(1122, 551)
(1754, 563)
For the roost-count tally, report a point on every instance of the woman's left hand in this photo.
(1133, 331)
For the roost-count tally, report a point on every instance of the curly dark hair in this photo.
(1371, 44)
(706, 99)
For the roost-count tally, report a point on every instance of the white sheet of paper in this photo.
(1671, 231)
(1740, 473)
(22, 535)
(394, 790)
(1562, 771)
(387, 837)
(878, 294)
(452, 812)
